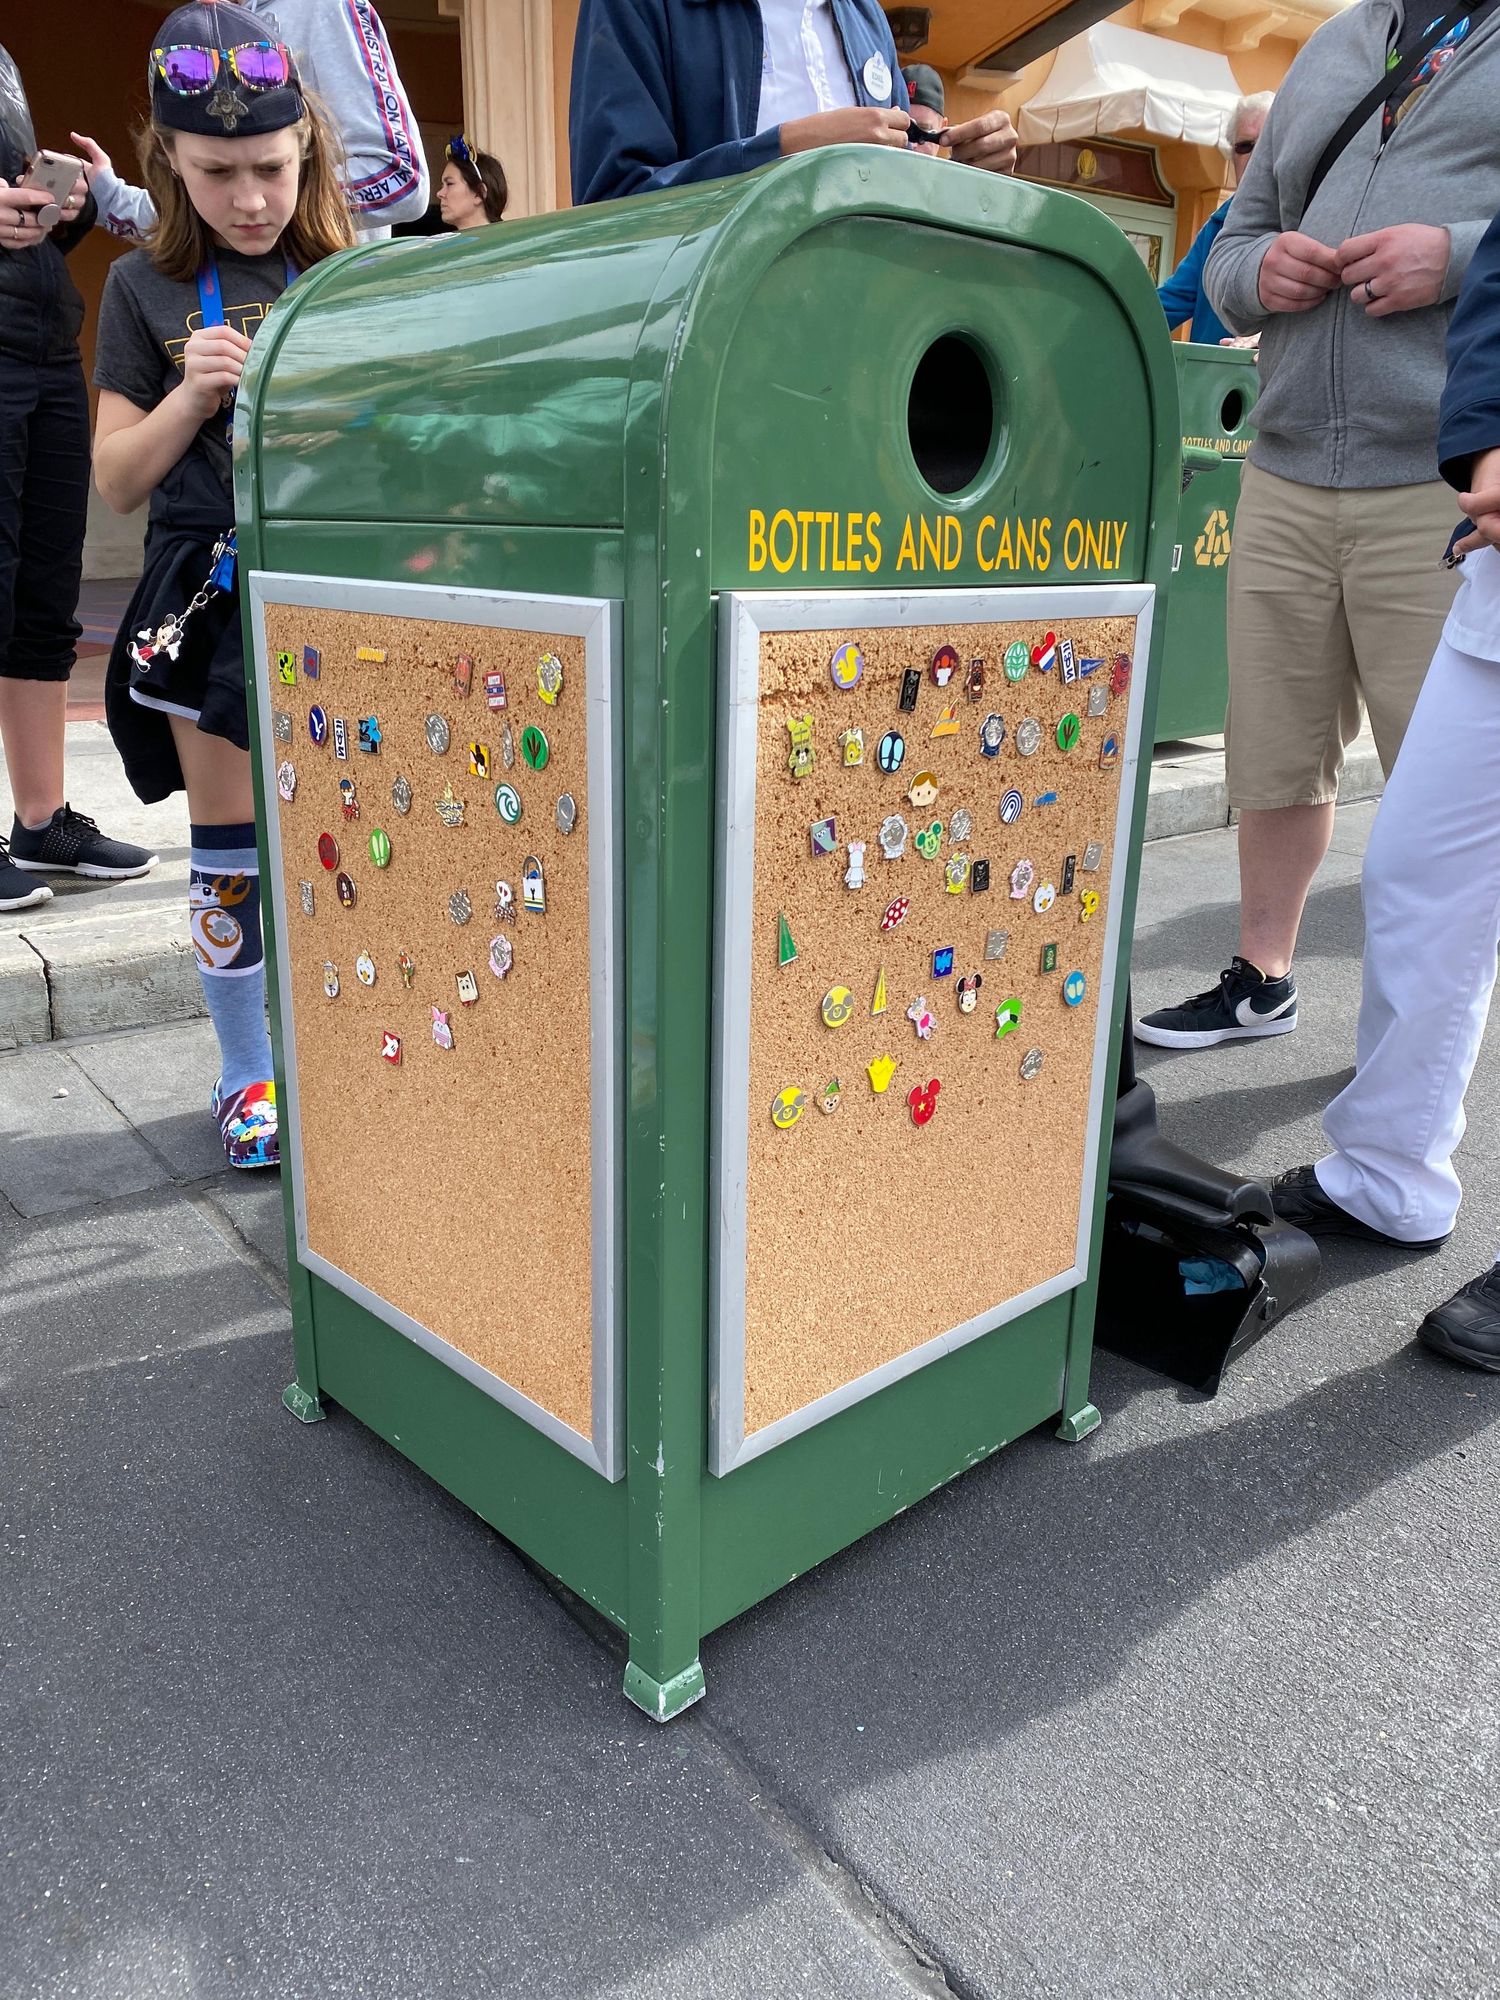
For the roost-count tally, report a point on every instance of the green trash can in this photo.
(1217, 387)
(701, 653)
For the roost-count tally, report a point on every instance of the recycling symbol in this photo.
(1211, 550)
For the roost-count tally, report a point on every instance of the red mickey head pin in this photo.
(1042, 656)
(922, 1098)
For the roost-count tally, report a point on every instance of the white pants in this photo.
(1431, 892)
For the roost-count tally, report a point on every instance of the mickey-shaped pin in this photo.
(968, 991)
(929, 839)
(922, 1101)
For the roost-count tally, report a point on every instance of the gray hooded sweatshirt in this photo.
(1349, 401)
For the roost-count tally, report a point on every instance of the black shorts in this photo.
(204, 684)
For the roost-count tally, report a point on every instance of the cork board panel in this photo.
(456, 1189)
(869, 1236)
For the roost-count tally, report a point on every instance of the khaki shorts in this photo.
(1334, 597)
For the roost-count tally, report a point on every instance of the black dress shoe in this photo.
(1298, 1198)
(1467, 1327)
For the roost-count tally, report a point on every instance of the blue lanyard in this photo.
(210, 296)
(211, 306)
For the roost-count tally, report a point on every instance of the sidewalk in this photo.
(1205, 1706)
(100, 956)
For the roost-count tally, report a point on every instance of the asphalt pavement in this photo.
(1205, 1706)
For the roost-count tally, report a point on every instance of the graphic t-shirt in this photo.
(1413, 31)
(144, 323)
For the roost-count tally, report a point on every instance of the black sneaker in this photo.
(71, 844)
(1297, 1197)
(1467, 1327)
(17, 890)
(1244, 1005)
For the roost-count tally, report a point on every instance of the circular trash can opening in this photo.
(950, 414)
(1232, 411)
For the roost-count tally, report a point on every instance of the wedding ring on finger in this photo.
(1370, 293)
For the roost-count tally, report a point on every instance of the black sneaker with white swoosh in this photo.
(1244, 1006)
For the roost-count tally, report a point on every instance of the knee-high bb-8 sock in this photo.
(224, 898)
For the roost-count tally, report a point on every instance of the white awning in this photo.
(1111, 79)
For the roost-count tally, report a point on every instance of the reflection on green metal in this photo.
(655, 401)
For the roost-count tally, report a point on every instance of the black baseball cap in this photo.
(925, 87)
(216, 73)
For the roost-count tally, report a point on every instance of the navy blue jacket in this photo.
(668, 91)
(1469, 421)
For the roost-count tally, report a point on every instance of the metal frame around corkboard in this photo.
(596, 622)
(747, 716)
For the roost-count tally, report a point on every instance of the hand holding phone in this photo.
(56, 175)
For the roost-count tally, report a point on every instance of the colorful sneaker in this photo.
(1243, 1006)
(71, 844)
(17, 890)
(247, 1125)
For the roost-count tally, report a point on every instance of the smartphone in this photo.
(55, 174)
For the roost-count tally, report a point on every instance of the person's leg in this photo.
(224, 904)
(1280, 853)
(1396, 595)
(1293, 704)
(1432, 924)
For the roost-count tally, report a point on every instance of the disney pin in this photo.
(1045, 897)
(846, 666)
(317, 726)
(535, 749)
(880, 1071)
(450, 808)
(854, 874)
(390, 1047)
(1075, 986)
(340, 738)
(502, 955)
(1088, 905)
(1029, 736)
(1070, 863)
(370, 737)
(507, 747)
(1007, 1017)
(895, 913)
(837, 1006)
(312, 663)
(566, 814)
(960, 823)
(463, 674)
(442, 1032)
(1031, 1065)
(281, 725)
(549, 678)
(305, 892)
(828, 1099)
(944, 666)
(852, 743)
(364, 969)
(406, 967)
(956, 874)
(801, 759)
(479, 760)
(286, 778)
(505, 903)
(380, 847)
(1098, 701)
(330, 979)
(460, 909)
(921, 1101)
(968, 991)
(1011, 806)
(533, 889)
(348, 796)
(348, 895)
(370, 656)
(892, 836)
(508, 803)
(823, 834)
(1093, 854)
(468, 988)
(979, 878)
(787, 1106)
(438, 735)
(923, 791)
(891, 753)
(922, 1018)
(1021, 878)
(786, 944)
(286, 669)
(494, 690)
(401, 795)
(911, 687)
(991, 735)
(996, 943)
(1017, 660)
(929, 839)
(947, 722)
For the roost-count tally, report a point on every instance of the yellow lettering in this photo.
(822, 521)
(1117, 529)
(929, 539)
(953, 541)
(988, 521)
(783, 514)
(1093, 543)
(1044, 541)
(1006, 553)
(804, 522)
(1073, 546)
(873, 556)
(757, 540)
(1025, 544)
(907, 559)
(856, 537)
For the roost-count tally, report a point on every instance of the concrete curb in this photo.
(72, 968)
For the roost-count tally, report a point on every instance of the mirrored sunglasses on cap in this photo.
(189, 70)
